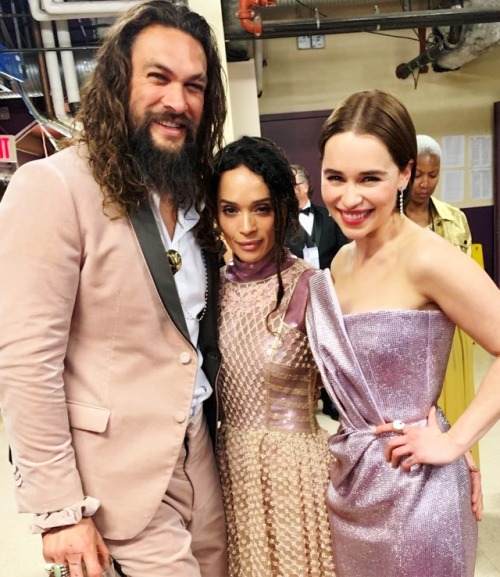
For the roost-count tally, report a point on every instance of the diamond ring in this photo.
(398, 425)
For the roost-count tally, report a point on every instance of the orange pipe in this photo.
(249, 20)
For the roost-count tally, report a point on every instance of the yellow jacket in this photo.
(451, 223)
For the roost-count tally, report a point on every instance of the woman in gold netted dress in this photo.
(272, 454)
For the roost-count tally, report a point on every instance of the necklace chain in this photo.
(199, 317)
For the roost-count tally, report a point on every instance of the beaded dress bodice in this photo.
(276, 381)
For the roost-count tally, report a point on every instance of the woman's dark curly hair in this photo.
(105, 101)
(266, 159)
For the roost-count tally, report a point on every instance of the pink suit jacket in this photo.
(96, 380)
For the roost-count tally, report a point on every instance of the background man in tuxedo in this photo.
(317, 227)
(317, 232)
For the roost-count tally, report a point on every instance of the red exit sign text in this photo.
(8, 149)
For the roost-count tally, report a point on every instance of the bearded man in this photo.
(108, 351)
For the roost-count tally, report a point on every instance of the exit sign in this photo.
(8, 149)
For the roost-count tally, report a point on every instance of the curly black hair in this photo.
(266, 159)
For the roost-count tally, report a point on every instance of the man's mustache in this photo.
(182, 119)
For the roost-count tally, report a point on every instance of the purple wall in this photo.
(297, 133)
(481, 223)
(19, 115)
(496, 188)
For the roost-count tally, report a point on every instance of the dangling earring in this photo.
(401, 211)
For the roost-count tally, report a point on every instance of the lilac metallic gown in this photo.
(377, 367)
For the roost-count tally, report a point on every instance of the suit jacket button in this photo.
(185, 358)
(180, 417)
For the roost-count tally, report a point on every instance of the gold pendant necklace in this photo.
(175, 260)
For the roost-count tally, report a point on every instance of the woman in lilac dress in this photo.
(272, 455)
(380, 325)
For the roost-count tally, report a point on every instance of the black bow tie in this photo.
(306, 210)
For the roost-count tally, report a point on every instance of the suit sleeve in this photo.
(40, 257)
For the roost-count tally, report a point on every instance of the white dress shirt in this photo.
(191, 283)
(307, 220)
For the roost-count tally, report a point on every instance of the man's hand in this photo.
(74, 545)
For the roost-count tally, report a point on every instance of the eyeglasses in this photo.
(299, 183)
(174, 260)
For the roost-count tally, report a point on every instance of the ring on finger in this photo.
(56, 570)
(398, 425)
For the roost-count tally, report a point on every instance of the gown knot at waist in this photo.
(350, 446)
(369, 430)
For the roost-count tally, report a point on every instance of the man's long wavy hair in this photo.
(105, 106)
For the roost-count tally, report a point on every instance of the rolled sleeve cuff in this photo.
(68, 516)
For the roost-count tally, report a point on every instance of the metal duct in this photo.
(62, 128)
(450, 48)
(84, 65)
(477, 40)
(435, 52)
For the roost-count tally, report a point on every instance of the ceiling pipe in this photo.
(432, 54)
(104, 8)
(250, 20)
(307, 4)
(45, 11)
(422, 43)
(372, 23)
(258, 55)
(41, 16)
(56, 88)
(42, 68)
(68, 66)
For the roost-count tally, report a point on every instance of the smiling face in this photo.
(167, 86)
(426, 178)
(245, 214)
(360, 182)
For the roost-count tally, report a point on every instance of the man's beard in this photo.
(174, 174)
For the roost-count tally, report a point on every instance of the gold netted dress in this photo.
(272, 454)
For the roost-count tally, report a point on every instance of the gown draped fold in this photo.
(380, 366)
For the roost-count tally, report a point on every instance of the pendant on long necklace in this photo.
(175, 260)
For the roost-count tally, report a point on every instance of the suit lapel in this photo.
(152, 247)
